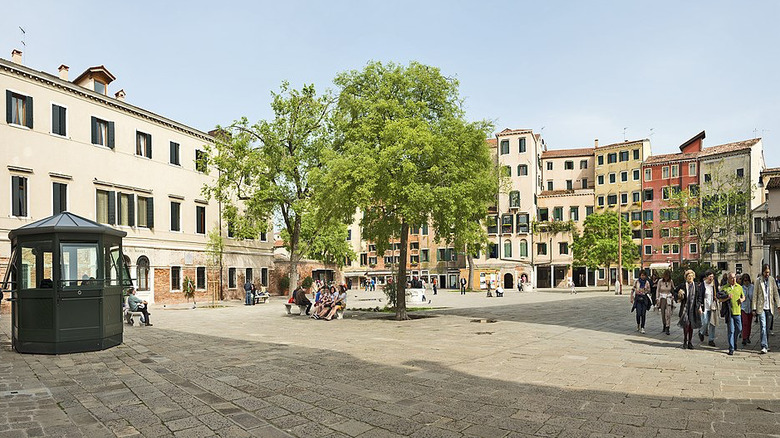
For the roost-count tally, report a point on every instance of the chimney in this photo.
(16, 56)
(120, 95)
(596, 141)
(63, 72)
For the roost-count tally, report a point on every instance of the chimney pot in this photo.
(16, 56)
(63, 72)
(596, 141)
(120, 95)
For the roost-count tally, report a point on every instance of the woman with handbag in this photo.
(708, 290)
(641, 300)
(665, 300)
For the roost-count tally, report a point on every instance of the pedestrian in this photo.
(765, 301)
(489, 294)
(248, 292)
(572, 288)
(520, 284)
(640, 298)
(462, 286)
(435, 288)
(711, 307)
(373, 284)
(618, 286)
(654, 290)
(690, 308)
(747, 308)
(735, 298)
(665, 300)
(254, 294)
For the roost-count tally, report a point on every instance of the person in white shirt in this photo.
(765, 302)
(618, 287)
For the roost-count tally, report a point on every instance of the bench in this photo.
(129, 315)
(261, 298)
(301, 308)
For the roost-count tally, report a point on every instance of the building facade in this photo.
(69, 145)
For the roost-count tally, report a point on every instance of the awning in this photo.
(665, 265)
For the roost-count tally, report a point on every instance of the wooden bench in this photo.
(301, 308)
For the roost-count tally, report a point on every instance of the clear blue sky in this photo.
(580, 69)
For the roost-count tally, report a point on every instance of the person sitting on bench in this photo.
(138, 305)
(302, 300)
(339, 303)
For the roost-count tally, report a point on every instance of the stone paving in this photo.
(551, 364)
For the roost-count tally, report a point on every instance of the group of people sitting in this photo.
(327, 301)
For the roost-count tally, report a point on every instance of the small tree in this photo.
(215, 250)
(188, 288)
(597, 245)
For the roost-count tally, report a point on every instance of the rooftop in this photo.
(508, 131)
(665, 158)
(581, 152)
(729, 147)
(625, 143)
(774, 183)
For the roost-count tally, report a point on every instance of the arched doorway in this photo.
(509, 281)
(142, 273)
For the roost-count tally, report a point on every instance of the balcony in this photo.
(771, 234)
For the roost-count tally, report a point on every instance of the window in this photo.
(424, 255)
(758, 225)
(568, 165)
(583, 164)
(558, 213)
(541, 249)
(176, 278)
(601, 179)
(635, 197)
(648, 233)
(59, 197)
(666, 249)
(611, 199)
(675, 249)
(636, 234)
(504, 147)
(738, 268)
(740, 173)
(601, 200)
(636, 215)
(19, 109)
(201, 162)
(249, 277)
(349, 234)
(102, 133)
(58, 120)
(145, 212)
(740, 246)
(625, 217)
(106, 207)
(100, 87)
(522, 223)
(693, 189)
(143, 144)
(507, 248)
(635, 174)
(506, 171)
(589, 210)
(522, 169)
(363, 259)
(648, 250)
(543, 215)
(691, 169)
(648, 194)
(507, 224)
(674, 169)
(396, 246)
(372, 261)
(600, 160)
(19, 196)
(200, 219)
(693, 248)
(612, 178)
(372, 248)
(523, 250)
(231, 278)
(176, 216)
(624, 176)
(623, 156)
(174, 156)
(584, 183)
(549, 185)
(200, 277)
(514, 199)
(636, 154)
(707, 177)
(665, 172)
(723, 266)
(664, 232)
(414, 259)
(563, 248)
(569, 184)
(549, 165)
(574, 213)
(648, 174)
(522, 145)
(425, 229)
(612, 158)
(126, 209)
(665, 193)
(669, 214)
(493, 251)
(648, 215)
(264, 276)
(142, 273)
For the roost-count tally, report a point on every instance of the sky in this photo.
(572, 70)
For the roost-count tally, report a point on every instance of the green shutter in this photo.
(8, 109)
(29, 111)
(16, 196)
(56, 197)
(150, 212)
(112, 208)
(131, 211)
(94, 130)
(149, 146)
(55, 119)
(63, 121)
(111, 135)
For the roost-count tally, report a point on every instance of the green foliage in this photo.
(215, 247)
(678, 275)
(554, 227)
(597, 246)
(188, 288)
(284, 284)
(307, 282)
(390, 290)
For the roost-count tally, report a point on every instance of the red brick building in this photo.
(665, 237)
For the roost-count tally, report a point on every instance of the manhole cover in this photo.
(484, 321)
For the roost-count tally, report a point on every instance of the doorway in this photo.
(509, 281)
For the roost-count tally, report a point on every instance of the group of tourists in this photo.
(328, 300)
(252, 294)
(704, 302)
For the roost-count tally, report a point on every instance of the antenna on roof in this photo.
(624, 133)
(24, 44)
(755, 132)
(652, 132)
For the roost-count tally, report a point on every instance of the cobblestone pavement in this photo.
(550, 365)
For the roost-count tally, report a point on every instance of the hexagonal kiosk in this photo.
(68, 274)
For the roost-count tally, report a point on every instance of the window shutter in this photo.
(94, 130)
(8, 108)
(55, 119)
(131, 211)
(56, 197)
(29, 111)
(112, 208)
(172, 158)
(150, 212)
(111, 135)
(148, 145)
(15, 194)
(63, 124)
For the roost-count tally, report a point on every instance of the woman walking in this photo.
(665, 300)
(747, 306)
(711, 304)
(640, 298)
(690, 308)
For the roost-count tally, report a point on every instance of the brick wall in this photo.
(305, 268)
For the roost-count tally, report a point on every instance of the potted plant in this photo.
(648, 223)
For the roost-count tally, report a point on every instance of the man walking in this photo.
(462, 286)
(248, 293)
(734, 316)
(765, 301)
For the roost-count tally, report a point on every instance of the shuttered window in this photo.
(106, 207)
(18, 109)
(143, 144)
(175, 216)
(126, 209)
(102, 132)
(58, 121)
(59, 197)
(200, 217)
(19, 196)
(145, 212)
(175, 159)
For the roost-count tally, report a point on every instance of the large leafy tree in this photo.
(597, 245)
(406, 155)
(268, 170)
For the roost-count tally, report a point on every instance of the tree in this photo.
(215, 250)
(268, 170)
(406, 155)
(597, 245)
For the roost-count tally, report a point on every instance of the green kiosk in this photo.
(68, 274)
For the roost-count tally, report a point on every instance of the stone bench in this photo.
(301, 309)
(261, 298)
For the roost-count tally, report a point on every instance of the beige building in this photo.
(72, 145)
(568, 179)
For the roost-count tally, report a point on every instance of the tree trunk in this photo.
(294, 256)
(470, 260)
(609, 279)
(400, 284)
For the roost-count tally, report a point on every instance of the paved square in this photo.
(550, 365)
